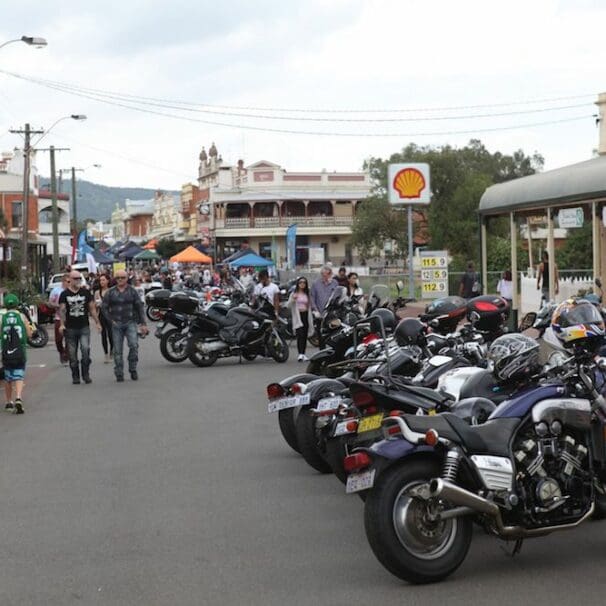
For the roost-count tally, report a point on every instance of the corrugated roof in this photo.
(559, 187)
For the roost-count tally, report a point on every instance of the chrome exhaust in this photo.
(456, 495)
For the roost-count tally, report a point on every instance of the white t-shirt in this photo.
(505, 289)
(269, 291)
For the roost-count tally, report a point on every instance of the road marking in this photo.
(36, 365)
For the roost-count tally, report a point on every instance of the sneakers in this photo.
(19, 407)
(302, 358)
(133, 375)
(9, 406)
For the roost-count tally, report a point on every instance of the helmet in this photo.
(576, 321)
(410, 331)
(11, 301)
(514, 356)
(388, 317)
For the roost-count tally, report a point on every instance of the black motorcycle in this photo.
(242, 332)
(39, 337)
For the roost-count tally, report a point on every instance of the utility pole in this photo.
(52, 149)
(28, 132)
(74, 211)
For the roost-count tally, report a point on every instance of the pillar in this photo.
(484, 255)
(513, 230)
(595, 233)
(551, 253)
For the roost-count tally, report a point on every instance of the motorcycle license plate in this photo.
(439, 360)
(328, 404)
(341, 429)
(289, 402)
(362, 480)
(370, 423)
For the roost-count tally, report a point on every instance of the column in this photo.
(513, 230)
(551, 253)
(595, 233)
(483, 253)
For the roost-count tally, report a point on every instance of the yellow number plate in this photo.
(370, 423)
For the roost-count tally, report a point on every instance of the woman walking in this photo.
(299, 304)
(106, 325)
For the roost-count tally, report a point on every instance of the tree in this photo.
(459, 177)
(168, 248)
(577, 251)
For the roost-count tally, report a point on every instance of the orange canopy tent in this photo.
(151, 245)
(191, 255)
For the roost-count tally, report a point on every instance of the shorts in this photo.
(14, 374)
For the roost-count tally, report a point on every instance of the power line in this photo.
(165, 105)
(295, 109)
(309, 132)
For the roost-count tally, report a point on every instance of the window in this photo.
(17, 214)
(265, 250)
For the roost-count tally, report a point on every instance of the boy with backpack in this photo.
(14, 332)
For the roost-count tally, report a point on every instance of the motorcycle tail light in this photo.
(352, 426)
(431, 437)
(394, 413)
(362, 399)
(393, 430)
(275, 390)
(298, 388)
(356, 462)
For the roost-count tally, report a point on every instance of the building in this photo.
(190, 200)
(134, 221)
(45, 222)
(254, 206)
(167, 218)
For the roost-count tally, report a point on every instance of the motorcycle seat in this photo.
(428, 393)
(220, 318)
(493, 437)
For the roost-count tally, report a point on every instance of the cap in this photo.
(11, 300)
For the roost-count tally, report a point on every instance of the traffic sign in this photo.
(434, 273)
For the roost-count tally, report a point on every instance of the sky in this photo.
(314, 55)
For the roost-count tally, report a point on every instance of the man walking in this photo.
(469, 286)
(53, 301)
(322, 289)
(14, 332)
(123, 306)
(75, 305)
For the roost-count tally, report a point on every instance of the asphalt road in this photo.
(179, 490)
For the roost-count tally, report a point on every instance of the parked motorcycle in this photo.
(39, 337)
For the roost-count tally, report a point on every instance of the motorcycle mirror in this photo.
(434, 324)
(400, 286)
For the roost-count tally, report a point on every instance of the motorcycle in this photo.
(242, 331)
(39, 337)
(538, 465)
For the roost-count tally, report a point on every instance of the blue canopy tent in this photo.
(236, 255)
(131, 252)
(102, 258)
(251, 260)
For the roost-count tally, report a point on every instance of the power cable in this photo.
(129, 99)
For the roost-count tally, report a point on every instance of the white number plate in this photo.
(439, 360)
(289, 402)
(328, 404)
(360, 481)
(341, 429)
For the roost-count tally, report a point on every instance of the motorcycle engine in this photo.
(553, 478)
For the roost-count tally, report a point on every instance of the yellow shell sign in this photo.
(409, 183)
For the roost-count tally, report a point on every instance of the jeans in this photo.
(119, 331)
(73, 338)
(60, 342)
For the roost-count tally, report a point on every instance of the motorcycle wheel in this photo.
(39, 337)
(278, 348)
(599, 513)
(314, 340)
(404, 541)
(316, 367)
(173, 346)
(286, 421)
(201, 359)
(307, 439)
(249, 356)
(153, 313)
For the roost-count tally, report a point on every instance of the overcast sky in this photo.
(317, 54)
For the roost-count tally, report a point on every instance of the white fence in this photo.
(530, 297)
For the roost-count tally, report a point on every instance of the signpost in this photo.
(409, 184)
(434, 274)
(571, 217)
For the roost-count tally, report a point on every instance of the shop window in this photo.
(17, 214)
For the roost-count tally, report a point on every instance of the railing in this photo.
(264, 222)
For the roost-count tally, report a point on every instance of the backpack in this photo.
(13, 352)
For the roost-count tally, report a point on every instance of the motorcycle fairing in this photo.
(520, 406)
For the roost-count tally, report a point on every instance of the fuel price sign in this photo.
(434, 274)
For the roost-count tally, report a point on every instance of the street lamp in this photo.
(29, 40)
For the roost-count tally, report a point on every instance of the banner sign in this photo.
(434, 274)
(571, 217)
(291, 246)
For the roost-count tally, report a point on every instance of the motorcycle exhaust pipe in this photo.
(463, 498)
(213, 346)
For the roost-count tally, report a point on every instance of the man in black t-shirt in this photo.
(75, 305)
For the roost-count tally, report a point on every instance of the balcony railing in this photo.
(268, 222)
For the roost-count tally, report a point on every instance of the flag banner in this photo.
(291, 246)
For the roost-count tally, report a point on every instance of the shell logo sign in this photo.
(408, 184)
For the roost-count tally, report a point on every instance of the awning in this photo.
(251, 260)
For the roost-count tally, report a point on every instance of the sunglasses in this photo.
(75, 279)
(121, 278)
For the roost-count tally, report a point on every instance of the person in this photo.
(267, 289)
(76, 304)
(206, 278)
(14, 332)
(167, 282)
(543, 275)
(107, 340)
(123, 306)
(245, 277)
(470, 283)
(322, 290)
(53, 301)
(353, 285)
(299, 304)
(342, 277)
(505, 287)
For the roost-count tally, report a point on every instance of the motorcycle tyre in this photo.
(599, 513)
(286, 421)
(39, 338)
(196, 358)
(308, 442)
(249, 356)
(280, 356)
(152, 313)
(166, 352)
(314, 340)
(316, 367)
(378, 523)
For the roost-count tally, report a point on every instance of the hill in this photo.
(98, 201)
